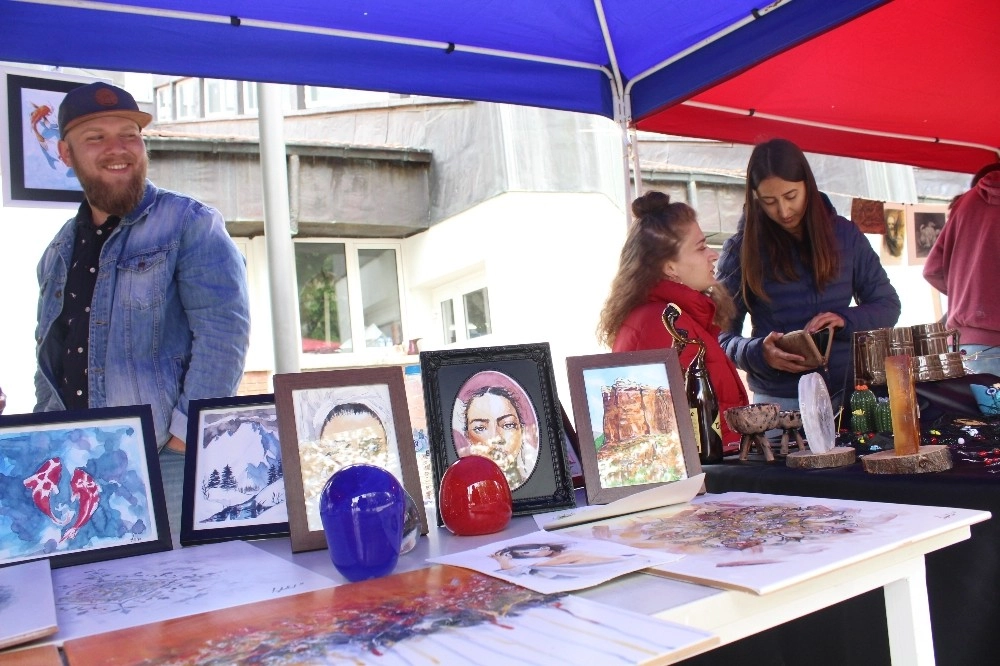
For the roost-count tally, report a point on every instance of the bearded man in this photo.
(143, 294)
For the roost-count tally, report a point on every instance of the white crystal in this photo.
(817, 413)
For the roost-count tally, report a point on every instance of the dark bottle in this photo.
(698, 389)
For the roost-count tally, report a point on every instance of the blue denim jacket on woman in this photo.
(169, 320)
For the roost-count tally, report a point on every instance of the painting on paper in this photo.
(761, 543)
(27, 605)
(551, 563)
(234, 483)
(80, 486)
(97, 598)
(428, 617)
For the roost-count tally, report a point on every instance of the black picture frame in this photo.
(236, 490)
(302, 400)
(450, 376)
(671, 440)
(110, 505)
(34, 173)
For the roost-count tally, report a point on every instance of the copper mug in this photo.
(931, 339)
(870, 349)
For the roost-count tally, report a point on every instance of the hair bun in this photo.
(650, 202)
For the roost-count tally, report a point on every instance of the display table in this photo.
(737, 616)
(962, 581)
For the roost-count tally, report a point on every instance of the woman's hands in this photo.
(788, 362)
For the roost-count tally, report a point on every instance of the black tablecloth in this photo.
(963, 580)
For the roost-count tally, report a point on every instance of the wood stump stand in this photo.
(930, 458)
(838, 456)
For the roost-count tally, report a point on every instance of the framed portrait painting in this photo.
(924, 223)
(633, 422)
(81, 486)
(330, 419)
(499, 402)
(34, 175)
(234, 485)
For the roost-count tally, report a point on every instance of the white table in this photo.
(733, 615)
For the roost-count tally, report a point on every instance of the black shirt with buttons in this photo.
(74, 322)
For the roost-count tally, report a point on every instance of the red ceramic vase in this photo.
(475, 497)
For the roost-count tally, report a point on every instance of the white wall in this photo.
(24, 233)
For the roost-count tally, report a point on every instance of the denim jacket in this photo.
(169, 319)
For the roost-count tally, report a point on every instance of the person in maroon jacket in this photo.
(665, 260)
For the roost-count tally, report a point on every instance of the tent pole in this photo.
(629, 156)
(277, 230)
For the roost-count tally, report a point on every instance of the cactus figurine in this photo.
(862, 409)
(883, 417)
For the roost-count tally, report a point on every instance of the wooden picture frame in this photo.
(649, 418)
(373, 400)
(924, 223)
(34, 174)
(520, 378)
(234, 484)
(86, 486)
(893, 244)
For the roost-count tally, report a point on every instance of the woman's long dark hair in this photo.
(818, 247)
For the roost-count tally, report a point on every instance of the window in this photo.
(334, 97)
(165, 103)
(249, 97)
(464, 309)
(220, 97)
(348, 291)
(187, 93)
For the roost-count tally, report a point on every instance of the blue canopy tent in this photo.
(616, 58)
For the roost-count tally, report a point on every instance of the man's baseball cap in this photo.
(98, 99)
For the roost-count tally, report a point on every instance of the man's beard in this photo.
(114, 199)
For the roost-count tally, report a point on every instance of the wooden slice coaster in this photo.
(838, 456)
(930, 458)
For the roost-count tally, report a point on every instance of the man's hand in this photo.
(176, 445)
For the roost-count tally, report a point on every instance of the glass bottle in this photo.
(698, 389)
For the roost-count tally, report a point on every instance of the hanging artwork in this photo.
(428, 617)
(330, 419)
(82, 486)
(234, 485)
(761, 543)
(34, 175)
(924, 223)
(893, 250)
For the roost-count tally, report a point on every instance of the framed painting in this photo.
(893, 250)
(330, 419)
(81, 486)
(34, 174)
(499, 402)
(234, 484)
(633, 422)
(923, 224)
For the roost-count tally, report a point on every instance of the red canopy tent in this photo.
(911, 82)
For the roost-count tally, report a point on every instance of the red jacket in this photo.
(643, 329)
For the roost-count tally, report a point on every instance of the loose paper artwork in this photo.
(27, 605)
(761, 543)
(924, 224)
(100, 597)
(550, 563)
(434, 616)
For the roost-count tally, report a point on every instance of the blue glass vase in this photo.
(363, 508)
